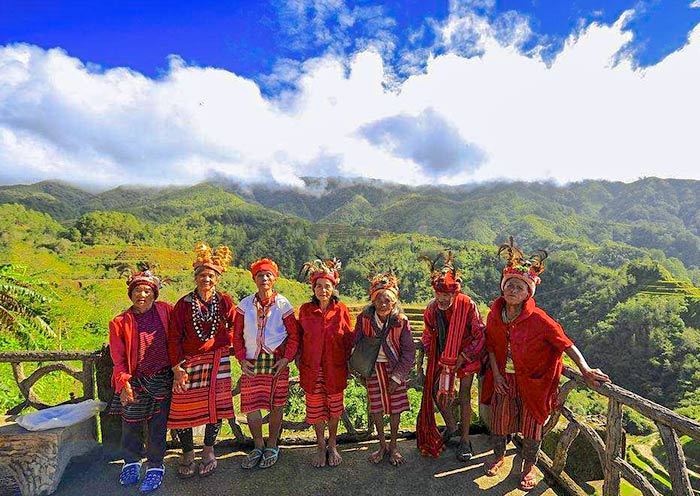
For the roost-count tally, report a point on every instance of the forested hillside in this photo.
(622, 274)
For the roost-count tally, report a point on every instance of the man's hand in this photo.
(247, 368)
(127, 395)
(280, 365)
(180, 379)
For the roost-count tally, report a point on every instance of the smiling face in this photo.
(142, 298)
(515, 291)
(323, 289)
(444, 300)
(206, 280)
(384, 303)
(264, 280)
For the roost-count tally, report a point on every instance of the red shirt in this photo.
(326, 342)
(183, 340)
(153, 344)
(537, 344)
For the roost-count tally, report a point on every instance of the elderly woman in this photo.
(386, 387)
(266, 339)
(142, 379)
(525, 348)
(199, 339)
(326, 341)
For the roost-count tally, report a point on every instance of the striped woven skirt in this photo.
(207, 396)
(263, 391)
(509, 416)
(321, 406)
(380, 401)
(149, 393)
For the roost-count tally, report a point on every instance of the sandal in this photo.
(204, 467)
(465, 451)
(528, 481)
(153, 479)
(131, 472)
(252, 459)
(493, 467)
(268, 461)
(187, 470)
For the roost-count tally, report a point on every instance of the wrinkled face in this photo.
(323, 289)
(444, 300)
(264, 280)
(206, 280)
(515, 291)
(384, 303)
(142, 298)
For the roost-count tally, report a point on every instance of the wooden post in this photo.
(614, 444)
(680, 482)
(562, 450)
(88, 380)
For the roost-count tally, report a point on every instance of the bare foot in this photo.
(378, 455)
(208, 463)
(334, 458)
(493, 467)
(319, 458)
(395, 458)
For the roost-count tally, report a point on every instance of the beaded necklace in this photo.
(199, 318)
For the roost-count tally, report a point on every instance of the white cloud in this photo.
(587, 113)
(695, 4)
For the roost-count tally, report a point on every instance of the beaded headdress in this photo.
(218, 260)
(145, 277)
(445, 278)
(384, 282)
(319, 269)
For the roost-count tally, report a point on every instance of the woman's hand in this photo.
(127, 395)
(180, 379)
(500, 384)
(280, 365)
(393, 385)
(594, 377)
(247, 368)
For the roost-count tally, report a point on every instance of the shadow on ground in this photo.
(293, 474)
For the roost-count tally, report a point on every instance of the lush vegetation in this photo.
(622, 274)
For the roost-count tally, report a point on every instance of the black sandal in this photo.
(464, 451)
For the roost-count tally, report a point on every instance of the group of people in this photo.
(172, 365)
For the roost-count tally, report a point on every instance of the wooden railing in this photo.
(611, 452)
(25, 383)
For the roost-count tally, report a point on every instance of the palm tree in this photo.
(24, 304)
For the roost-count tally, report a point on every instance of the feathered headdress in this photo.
(527, 269)
(445, 278)
(318, 269)
(218, 261)
(384, 282)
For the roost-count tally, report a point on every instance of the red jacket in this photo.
(326, 342)
(183, 340)
(124, 343)
(537, 344)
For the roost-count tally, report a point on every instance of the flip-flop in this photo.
(528, 481)
(191, 470)
(252, 459)
(204, 470)
(268, 461)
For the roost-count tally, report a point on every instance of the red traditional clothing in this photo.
(124, 343)
(206, 398)
(508, 415)
(322, 405)
(379, 398)
(537, 343)
(464, 337)
(326, 342)
(265, 390)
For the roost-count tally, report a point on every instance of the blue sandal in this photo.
(153, 479)
(269, 461)
(131, 472)
(252, 459)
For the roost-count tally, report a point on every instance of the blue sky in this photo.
(277, 58)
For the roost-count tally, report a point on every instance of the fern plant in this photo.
(24, 305)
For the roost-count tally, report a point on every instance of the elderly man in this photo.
(453, 340)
